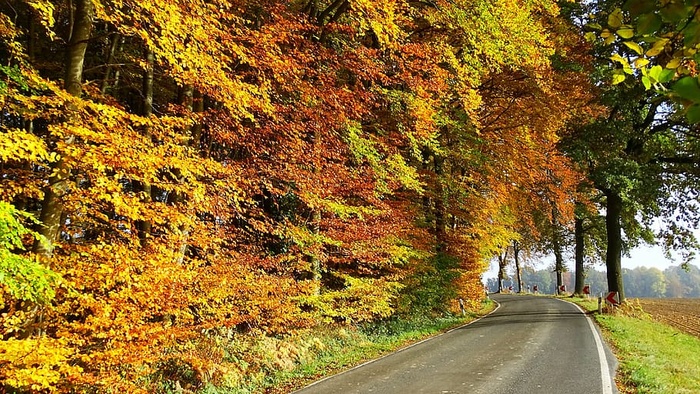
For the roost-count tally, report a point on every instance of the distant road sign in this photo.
(562, 288)
(587, 289)
(613, 298)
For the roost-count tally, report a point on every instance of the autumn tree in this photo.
(258, 167)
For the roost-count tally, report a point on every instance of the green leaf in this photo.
(693, 113)
(648, 24)
(625, 32)
(646, 82)
(633, 46)
(674, 12)
(637, 7)
(691, 34)
(688, 89)
(615, 19)
(666, 75)
(655, 72)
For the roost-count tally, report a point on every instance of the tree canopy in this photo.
(172, 168)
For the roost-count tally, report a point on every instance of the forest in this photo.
(639, 282)
(255, 169)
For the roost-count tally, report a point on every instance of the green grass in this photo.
(363, 344)
(654, 357)
(324, 351)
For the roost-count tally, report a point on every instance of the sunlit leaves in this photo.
(288, 170)
(37, 364)
(21, 277)
(663, 34)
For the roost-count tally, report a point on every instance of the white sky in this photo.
(643, 256)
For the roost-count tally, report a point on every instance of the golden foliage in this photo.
(290, 172)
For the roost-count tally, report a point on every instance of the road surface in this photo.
(528, 345)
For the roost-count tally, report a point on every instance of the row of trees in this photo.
(673, 282)
(640, 155)
(172, 167)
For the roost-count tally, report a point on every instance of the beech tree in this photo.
(260, 168)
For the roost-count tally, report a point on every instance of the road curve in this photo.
(528, 345)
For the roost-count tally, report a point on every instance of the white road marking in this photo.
(498, 305)
(604, 367)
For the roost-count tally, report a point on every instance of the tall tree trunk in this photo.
(425, 199)
(198, 107)
(613, 255)
(113, 47)
(558, 255)
(51, 215)
(502, 263)
(185, 98)
(579, 239)
(315, 225)
(518, 269)
(145, 227)
(440, 209)
(52, 206)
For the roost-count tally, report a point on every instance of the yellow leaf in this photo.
(658, 47)
(641, 62)
(634, 46)
(625, 32)
(618, 78)
(673, 64)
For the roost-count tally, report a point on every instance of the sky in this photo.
(643, 256)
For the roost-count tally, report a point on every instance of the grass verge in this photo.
(283, 365)
(367, 343)
(654, 357)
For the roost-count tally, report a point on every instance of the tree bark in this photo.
(114, 45)
(145, 227)
(558, 255)
(518, 269)
(185, 98)
(52, 206)
(502, 263)
(440, 210)
(613, 255)
(579, 239)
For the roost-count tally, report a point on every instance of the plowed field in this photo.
(682, 313)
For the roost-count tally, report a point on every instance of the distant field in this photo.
(681, 313)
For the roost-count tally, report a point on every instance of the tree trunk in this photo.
(113, 47)
(145, 227)
(52, 206)
(578, 237)
(518, 269)
(185, 98)
(440, 210)
(51, 216)
(425, 199)
(558, 255)
(613, 255)
(502, 262)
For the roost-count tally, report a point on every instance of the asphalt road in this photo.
(528, 345)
